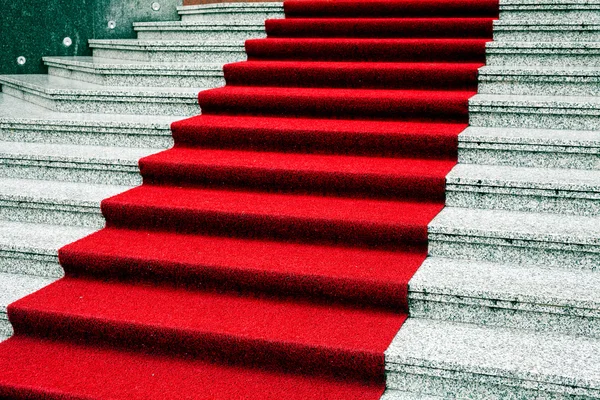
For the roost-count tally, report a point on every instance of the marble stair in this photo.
(73, 137)
(507, 306)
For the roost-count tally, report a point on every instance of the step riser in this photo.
(448, 384)
(87, 136)
(511, 251)
(568, 13)
(532, 86)
(209, 35)
(219, 57)
(565, 35)
(544, 59)
(51, 214)
(108, 105)
(150, 79)
(69, 173)
(531, 118)
(559, 158)
(529, 200)
(232, 17)
(502, 314)
(12, 262)
(5, 327)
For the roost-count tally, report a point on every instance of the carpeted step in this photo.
(72, 163)
(109, 72)
(527, 238)
(115, 373)
(507, 295)
(309, 173)
(22, 121)
(433, 76)
(235, 12)
(386, 8)
(537, 148)
(547, 31)
(220, 327)
(198, 31)
(381, 223)
(562, 191)
(325, 136)
(338, 103)
(470, 361)
(54, 202)
(32, 249)
(380, 27)
(169, 50)
(12, 288)
(342, 274)
(342, 49)
(66, 95)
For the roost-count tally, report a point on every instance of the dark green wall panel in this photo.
(36, 28)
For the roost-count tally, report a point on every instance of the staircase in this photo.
(73, 137)
(507, 306)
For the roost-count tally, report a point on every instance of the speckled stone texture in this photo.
(232, 12)
(546, 31)
(199, 31)
(559, 10)
(559, 54)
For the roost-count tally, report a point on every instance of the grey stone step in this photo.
(169, 50)
(538, 148)
(559, 112)
(468, 361)
(54, 202)
(72, 163)
(549, 190)
(22, 121)
(536, 30)
(235, 12)
(32, 249)
(66, 95)
(546, 81)
(559, 10)
(199, 31)
(391, 394)
(563, 54)
(103, 71)
(507, 295)
(516, 237)
(12, 288)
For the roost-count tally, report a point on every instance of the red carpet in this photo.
(268, 254)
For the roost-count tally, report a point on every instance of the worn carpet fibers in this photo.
(268, 254)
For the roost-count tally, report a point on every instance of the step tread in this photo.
(517, 225)
(38, 238)
(592, 47)
(109, 64)
(524, 177)
(200, 25)
(512, 70)
(73, 153)
(54, 85)
(543, 137)
(250, 6)
(152, 44)
(564, 102)
(497, 352)
(57, 192)
(13, 287)
(572, 289)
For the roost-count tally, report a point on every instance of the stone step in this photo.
(12, 288)
(537, 148)
(104, 71)
(506, 295)
(169, 50)
(199, 31)
(22, 121)
(66, 95)
(391, 394)
(516, 237)
(558, 54)
(457, 360)
(536, 30)
(32, 249)
(549, 190)
(559, 112)
(541, 81)
(72, 163)
(558, 10)
(54, 202)
(235, 12)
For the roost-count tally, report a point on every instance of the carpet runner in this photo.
(267, 255)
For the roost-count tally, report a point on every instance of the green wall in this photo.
(36, 28)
